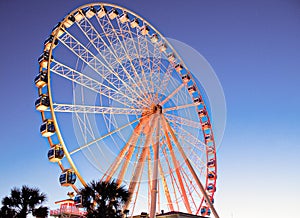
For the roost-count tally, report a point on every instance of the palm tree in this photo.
(22, 202)
(104, 199)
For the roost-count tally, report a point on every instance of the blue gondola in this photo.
(42, 103)
(67, 178)
(211, 188)
(41, 79)
(47, 128)
(78, 201)
(211, 175)
(55, 153)
(205, 211)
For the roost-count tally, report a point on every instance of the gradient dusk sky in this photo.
(254, 48)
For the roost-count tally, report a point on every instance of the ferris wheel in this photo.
(118, 103)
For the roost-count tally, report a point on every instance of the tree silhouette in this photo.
(22, 202)
(104, 199)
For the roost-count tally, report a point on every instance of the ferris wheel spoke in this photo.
(111, 58)
(187, 162)
(192, 201)
(132, 53)
(177, 167)
(166, 78)
(70, 108)
(94, 63)
(92, 84)
(140, 164)
(166, 188)
(178, 107)
(172, 94)
(105, 135)
(183, 121)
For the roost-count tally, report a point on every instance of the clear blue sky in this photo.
(254, 48)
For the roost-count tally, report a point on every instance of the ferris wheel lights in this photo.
(47, 128)
(67, 178)
(124, 17)
(48, 42)
(134, 23)
(56, 153)
(42, 103)
(144, 30)
(113, 13)
(41, 79)
(102, 12)
(58, 30)
(90, 12)
(70, 21)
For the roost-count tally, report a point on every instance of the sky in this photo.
(254, 49)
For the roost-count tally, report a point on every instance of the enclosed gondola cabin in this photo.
(58, 31)
(178, 67)
(67, 178)
(78, 201)
(79, 15)
(42, 103)
(41, 79)
(211, 163)
(192, 89)
(162, 47)
(47, 128)
(197, 101)
(134, 23)
(113, 13)
(202, 113)
(102, 12)
(43, 59)
(154, 38)
(48, 42)
(90, 12)
(211, 188)
(124, 18)
(69, 21)
(211, 175)
(171, 57)
(144, 30)
(55, 153)
(205, 211)
(186, 78)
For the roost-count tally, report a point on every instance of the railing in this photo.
(67, 210)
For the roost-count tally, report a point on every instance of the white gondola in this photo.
(202, 113)
(178, 67)
(41, 79)
(134, 23)
(48, 42)
(144, 30)
(192, 89)
(58, 30)
(186, 78)
(70, 21)
(171, 57)
(113, 13)
(78, 15)
(90, 12)
(197, 101)
(42, 103)
(102, 12)
(47, 129)
(206, 125)
(43, 59)
(67, 177)
(154, 38)
(162, 47)
(124, 18)
(56, 153)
